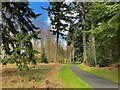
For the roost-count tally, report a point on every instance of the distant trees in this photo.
(94, 34)
(50, 47)
(68, 54)
(93, 31)
(56, 12)
(77, 36)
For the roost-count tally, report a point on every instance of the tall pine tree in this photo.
(18, 30)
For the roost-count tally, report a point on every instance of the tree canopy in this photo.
(18, 30)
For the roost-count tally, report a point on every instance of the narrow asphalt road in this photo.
(96, 82)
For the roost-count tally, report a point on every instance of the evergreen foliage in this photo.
(17, 32)
(101, 21)
(43, 57)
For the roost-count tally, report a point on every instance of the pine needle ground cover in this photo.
(34, 78)
(70, 80)
(111, 74)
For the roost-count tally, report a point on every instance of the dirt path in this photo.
(94, 81)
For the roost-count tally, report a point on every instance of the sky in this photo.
(48, 0)
(36, 6)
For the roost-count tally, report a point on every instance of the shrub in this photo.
(43, 57)
(23, 68)
(102, 61)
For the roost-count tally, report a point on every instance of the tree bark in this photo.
(57, 40)
(84, 48)
(73, 53)
(94, 49)
(93, 46)
(84, 37)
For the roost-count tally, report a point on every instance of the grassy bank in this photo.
(111, 74)
(70, 80)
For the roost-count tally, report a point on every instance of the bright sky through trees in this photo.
(36, 6)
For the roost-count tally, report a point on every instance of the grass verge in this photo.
(102, 72)
(70, 80)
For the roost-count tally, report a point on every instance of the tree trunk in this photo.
(93, 46)
(73, 53)
(94, 49)
(84, 48)
(57, 51)
(84, 37)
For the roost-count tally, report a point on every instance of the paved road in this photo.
(94, 81)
